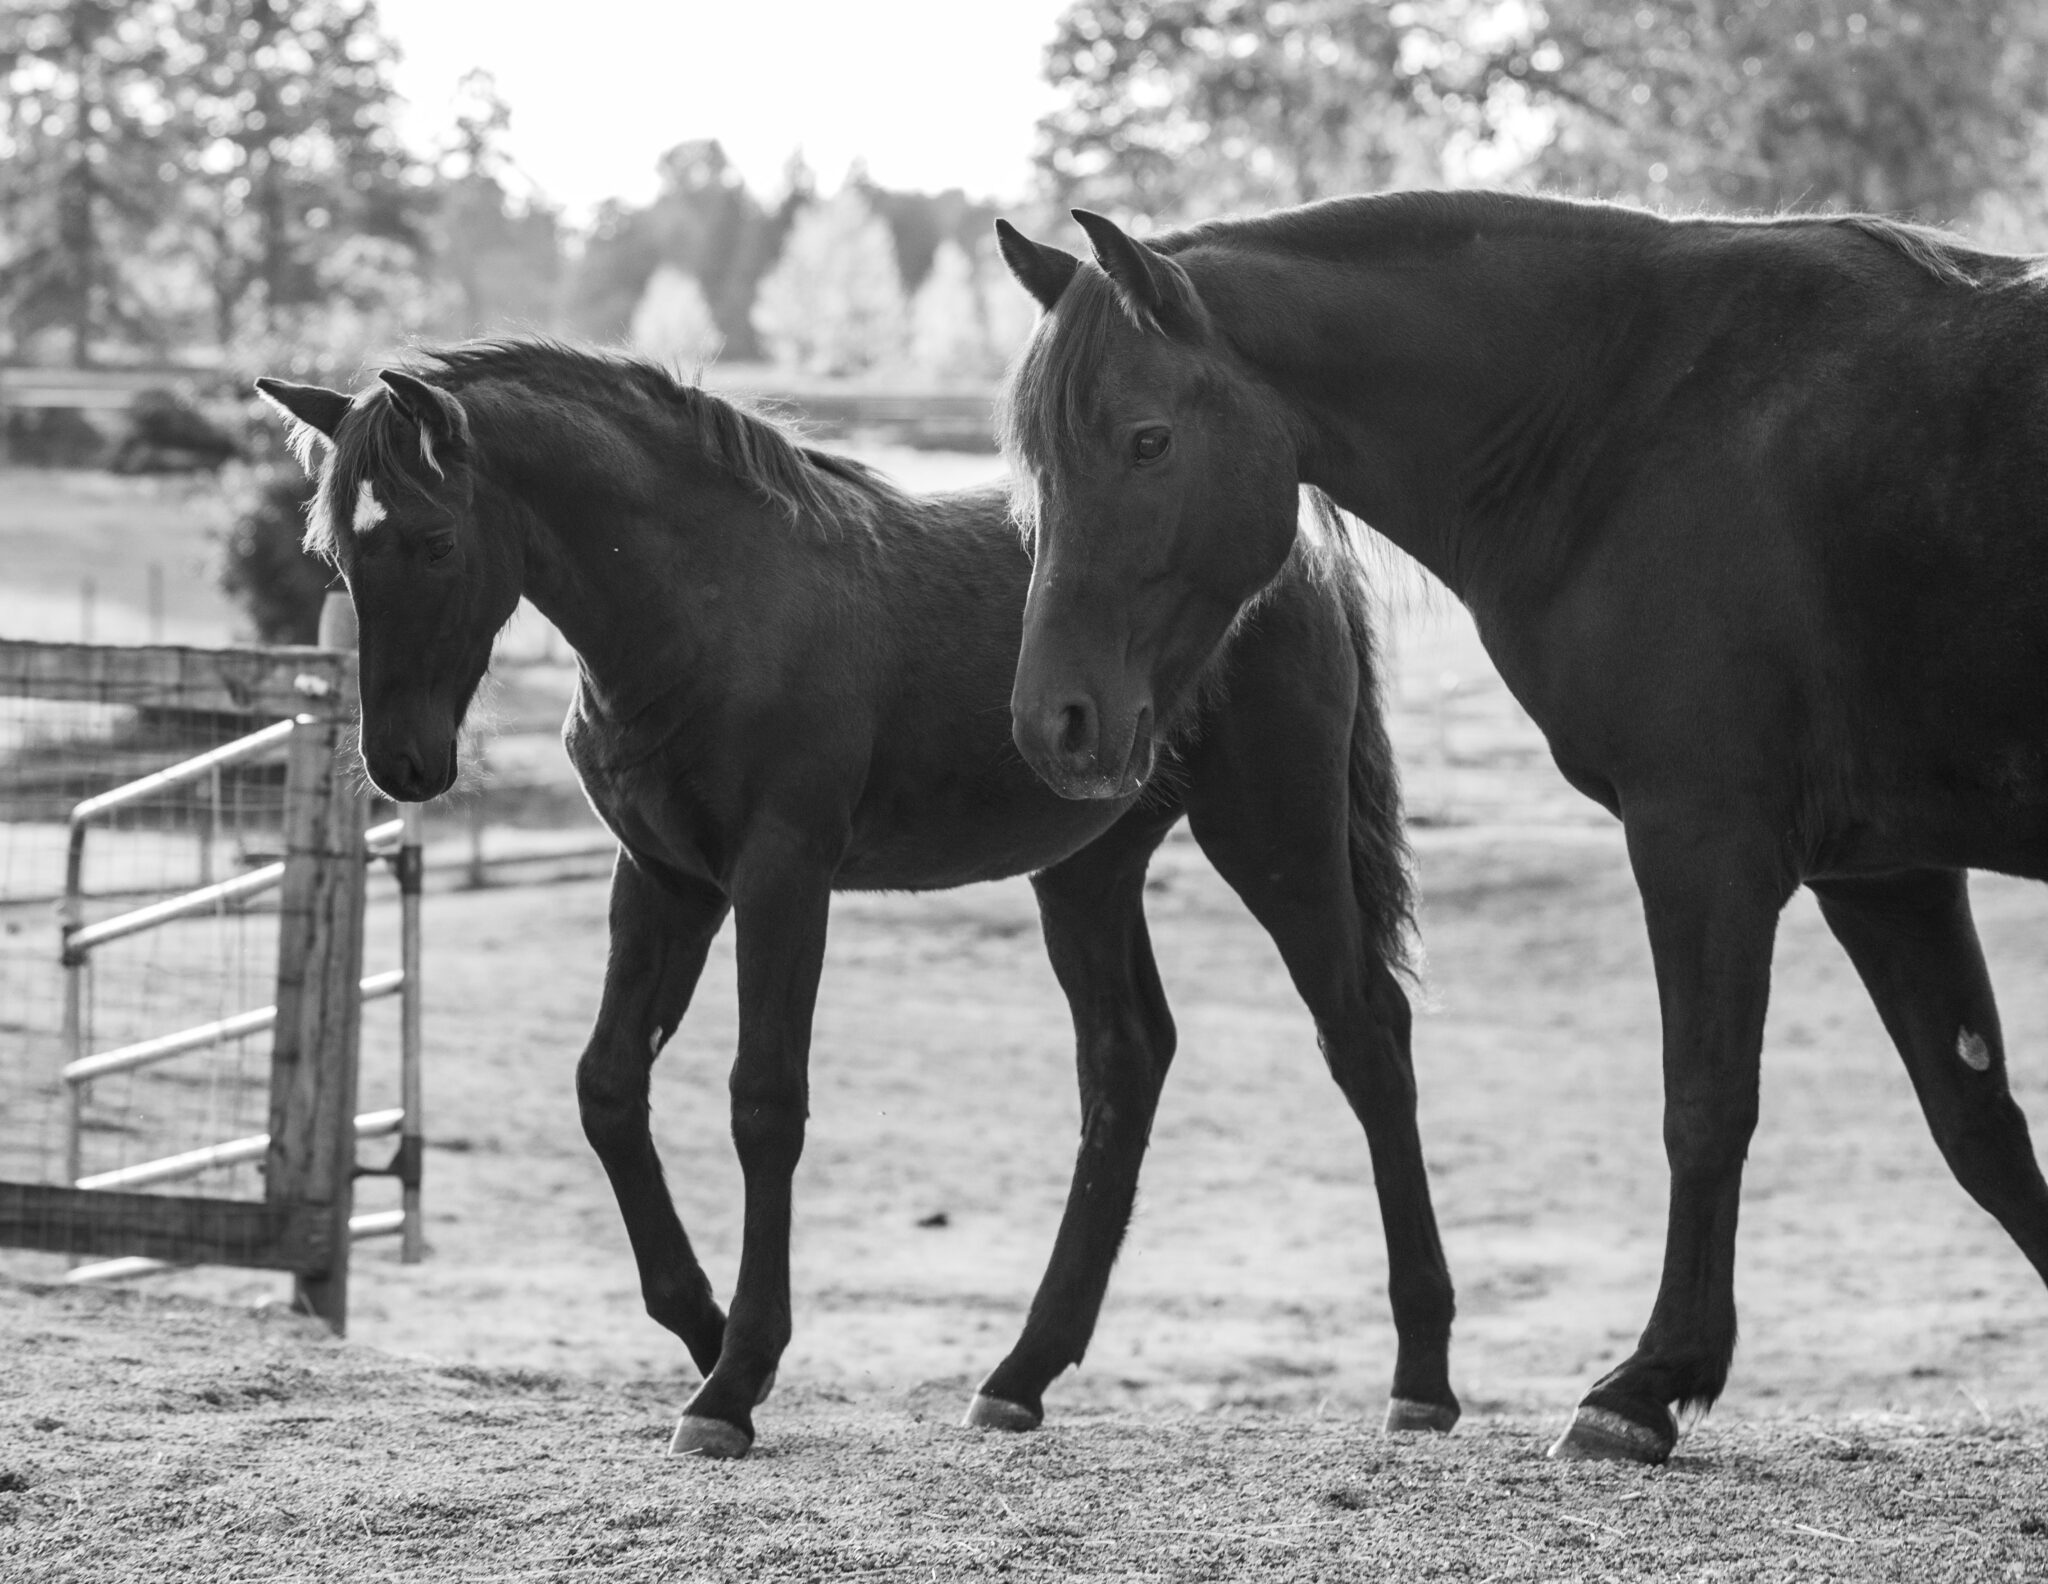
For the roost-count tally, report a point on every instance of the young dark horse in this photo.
(794, 680)
(1750, 516)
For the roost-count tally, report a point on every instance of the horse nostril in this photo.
(1077, 732)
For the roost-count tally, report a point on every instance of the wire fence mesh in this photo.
(54, 754)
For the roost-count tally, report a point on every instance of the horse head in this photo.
(1156, 483)
(401, 512)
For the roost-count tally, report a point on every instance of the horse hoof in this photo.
(997, 1413)
(1599, 1435)
(699, 1436)
(1405, 1416)
(767, 1386)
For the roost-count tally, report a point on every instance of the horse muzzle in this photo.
(1064, 742)
(408, 772)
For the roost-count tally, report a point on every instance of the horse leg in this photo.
(1912, 939)
(1711, 900)
(780, 903)
(1091, 907)
(1283, 849)
(659, 938)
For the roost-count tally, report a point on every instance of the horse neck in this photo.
(642, 561)
(1452, 399)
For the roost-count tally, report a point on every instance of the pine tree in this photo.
(949, 337)
(672, 322)
(833, 303)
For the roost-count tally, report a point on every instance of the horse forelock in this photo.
(1049, 400)
(367, 454)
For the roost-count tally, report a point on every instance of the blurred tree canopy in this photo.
(280, 115)
(703, 222)
(503, 254)
(1177, 108)
(834, 303)
(174, 167)
(81, 168)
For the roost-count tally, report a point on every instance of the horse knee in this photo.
(611, 1103)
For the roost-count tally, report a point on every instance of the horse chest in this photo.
(654, 811)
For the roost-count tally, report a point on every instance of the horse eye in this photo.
(439, 550)
(1150, 445)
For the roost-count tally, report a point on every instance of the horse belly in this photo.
(1987, 812)
(939, 836)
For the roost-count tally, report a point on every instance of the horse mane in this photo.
(1043, 407)
(582, 389)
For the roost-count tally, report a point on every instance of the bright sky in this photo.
(932, 93)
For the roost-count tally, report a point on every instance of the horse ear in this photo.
(311, 412)
(1151, 285)
(1042, 271)
(443, 425)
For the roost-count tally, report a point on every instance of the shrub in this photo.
(263, 568)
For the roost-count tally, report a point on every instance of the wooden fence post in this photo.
(311, 1162)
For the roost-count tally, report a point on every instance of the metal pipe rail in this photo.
(80, 939)
(253, 746)
(375, 987)
(371, 1124)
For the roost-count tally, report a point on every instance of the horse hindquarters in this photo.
(1092, 909)
(1292, 795)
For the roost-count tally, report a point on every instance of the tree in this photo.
(81, 193)
(705, 223)
(948, 323)
(1179, 107)
(502, 256)
(285, 111)
(833, 304)
(968, 318)
(264, 567)
(1175, 108)
(1916, 107)
(672, 322)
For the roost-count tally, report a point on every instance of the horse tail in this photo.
(1382, 869)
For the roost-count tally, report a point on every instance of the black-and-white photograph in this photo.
(1034, 790)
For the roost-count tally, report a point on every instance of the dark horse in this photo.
(794, 679)
(1751, 515)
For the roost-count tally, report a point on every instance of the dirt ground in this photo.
(144, 1438)
(499, 1410)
